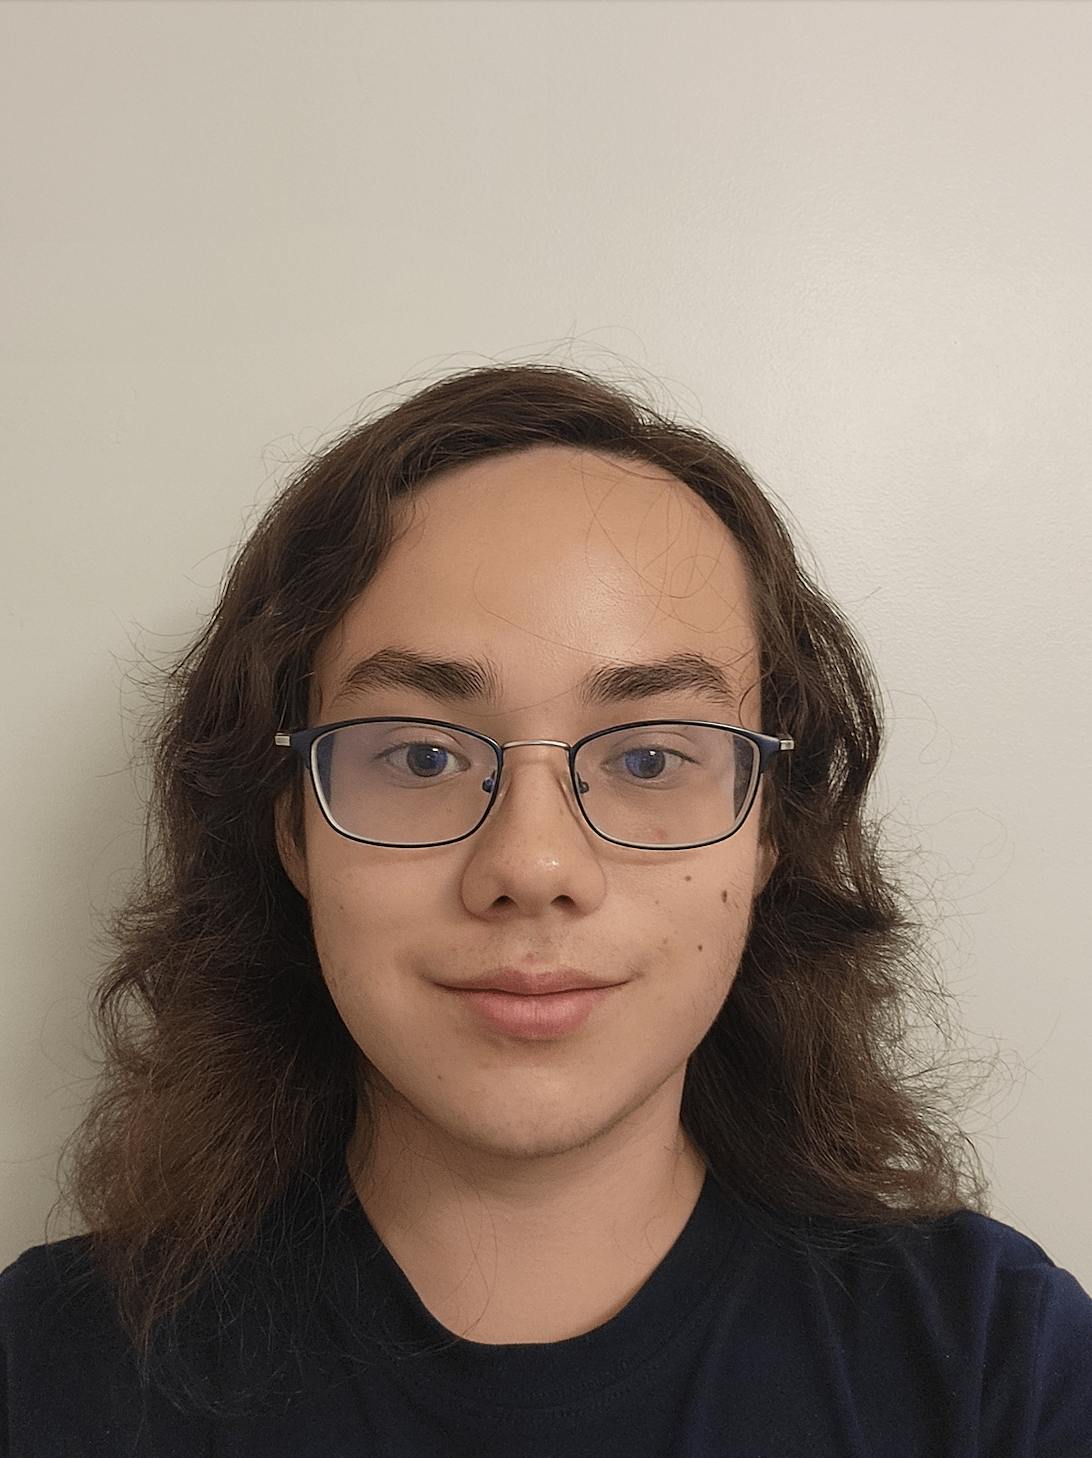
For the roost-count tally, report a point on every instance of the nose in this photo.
(534, 853)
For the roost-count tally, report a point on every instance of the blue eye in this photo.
(426, 760)
(416, 764)
(422, 761)
(645, 764)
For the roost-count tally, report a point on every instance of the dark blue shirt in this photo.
(752, 1339)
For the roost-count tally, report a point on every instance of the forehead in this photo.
(553, 562)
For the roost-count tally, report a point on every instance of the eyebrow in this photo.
(452, 680)
(681, 672)
(467, 680)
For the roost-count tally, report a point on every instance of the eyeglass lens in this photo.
(660, 785)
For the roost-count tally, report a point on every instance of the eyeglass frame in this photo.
(302, 742)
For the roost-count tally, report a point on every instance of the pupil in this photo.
(645, 764)
(426, 759)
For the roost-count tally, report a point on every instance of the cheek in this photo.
(727, 904)
(700, 951)
(355, 933)
(360, 894)
(712, 907)
(370, 910)
(351, 919)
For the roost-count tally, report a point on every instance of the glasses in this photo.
(658, 784)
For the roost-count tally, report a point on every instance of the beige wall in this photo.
(852, 237)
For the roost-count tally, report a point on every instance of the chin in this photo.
(542, 1133)
(525, 1145)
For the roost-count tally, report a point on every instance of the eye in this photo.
(424, 761)
(659, 756)
(646, 763)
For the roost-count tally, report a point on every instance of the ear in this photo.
(767, 860)
(289, 845)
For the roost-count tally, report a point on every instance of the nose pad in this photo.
(489, 783)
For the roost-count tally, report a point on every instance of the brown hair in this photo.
(229, 1073)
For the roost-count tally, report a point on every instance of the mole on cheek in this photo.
(724, 897)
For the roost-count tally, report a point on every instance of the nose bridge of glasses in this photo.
(531, 743)
(536, 744)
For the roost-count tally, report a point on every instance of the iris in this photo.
(426, 760)
(645, 764)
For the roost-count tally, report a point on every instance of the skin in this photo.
(529, 1186)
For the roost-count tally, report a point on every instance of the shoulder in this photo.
(923, 1333)
(988, 1241)
(50, 1283)
(983, 1264)
(56, 1310)
(968, 1245)
(67, 1366)
(972, 1313)
(963, 1268)
(1007, 1284)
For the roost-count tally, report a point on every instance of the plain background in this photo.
(850, 238)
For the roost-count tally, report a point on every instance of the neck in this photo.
(504, 1249)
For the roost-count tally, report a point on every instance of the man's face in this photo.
(543, 568)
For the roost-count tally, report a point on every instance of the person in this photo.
(504, 1047)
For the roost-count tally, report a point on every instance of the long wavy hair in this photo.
(229, 1075)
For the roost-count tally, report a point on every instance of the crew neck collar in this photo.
(378, 1299)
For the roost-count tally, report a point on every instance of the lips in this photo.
(532, 984)
(533, 1005)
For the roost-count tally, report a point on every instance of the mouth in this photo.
(533, 1005)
